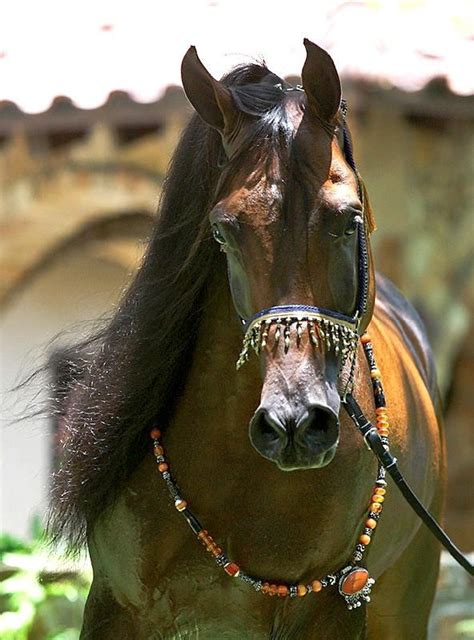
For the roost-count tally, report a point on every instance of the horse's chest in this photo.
(148, 558)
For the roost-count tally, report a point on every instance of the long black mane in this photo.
(139, 360)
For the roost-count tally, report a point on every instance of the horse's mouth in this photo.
(295, 460)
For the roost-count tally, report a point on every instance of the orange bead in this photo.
(374, 374)
(382, 422)
(301, 590)
(380, 491)
(155, 433)
(378, 498)
(216, 551)
(283, 590)
(273, 590)
(159, 451)
(232, 569)
(383, 432)
(365, 338)
(381, 411)
(163, 467)
(364, 539)
(376, 507)
(265, 587)
(316, 585)
(371, 523)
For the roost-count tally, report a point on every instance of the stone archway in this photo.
(47, 208)
(58, 301)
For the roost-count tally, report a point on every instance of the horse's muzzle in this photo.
(304, 441)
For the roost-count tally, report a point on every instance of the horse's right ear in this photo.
(211, 99)
(321, 82)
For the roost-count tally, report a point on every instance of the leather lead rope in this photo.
(389, 462)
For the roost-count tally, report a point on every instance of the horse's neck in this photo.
(217, 399)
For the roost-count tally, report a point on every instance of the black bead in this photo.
(193, 522)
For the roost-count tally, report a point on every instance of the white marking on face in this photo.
(275, 191)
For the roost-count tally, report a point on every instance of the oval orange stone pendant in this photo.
(354, 582)
(355, 586)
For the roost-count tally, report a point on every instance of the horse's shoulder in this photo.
(393, 308)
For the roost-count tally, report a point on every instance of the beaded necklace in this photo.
(353, 581)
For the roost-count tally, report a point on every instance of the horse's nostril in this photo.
(319, 427)
(268, 436)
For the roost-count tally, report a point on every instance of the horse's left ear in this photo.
(211, 99)
(321, 82)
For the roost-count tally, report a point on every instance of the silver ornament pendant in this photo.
(355, 586)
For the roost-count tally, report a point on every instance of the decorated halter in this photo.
(333, 331)
(328, 329)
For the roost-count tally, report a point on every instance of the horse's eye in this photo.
(351, 229)
(352, 226)
(218, 237)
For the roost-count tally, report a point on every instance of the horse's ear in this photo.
(369, 213)
(321, 82)
(211, 99)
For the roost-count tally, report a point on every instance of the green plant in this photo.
(42, 596)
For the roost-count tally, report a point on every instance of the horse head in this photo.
(288, 213)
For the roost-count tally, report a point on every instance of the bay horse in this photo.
(262, 209)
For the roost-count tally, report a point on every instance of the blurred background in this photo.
(90, 111)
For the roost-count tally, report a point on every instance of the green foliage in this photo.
(41, 596)
(465, 628)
